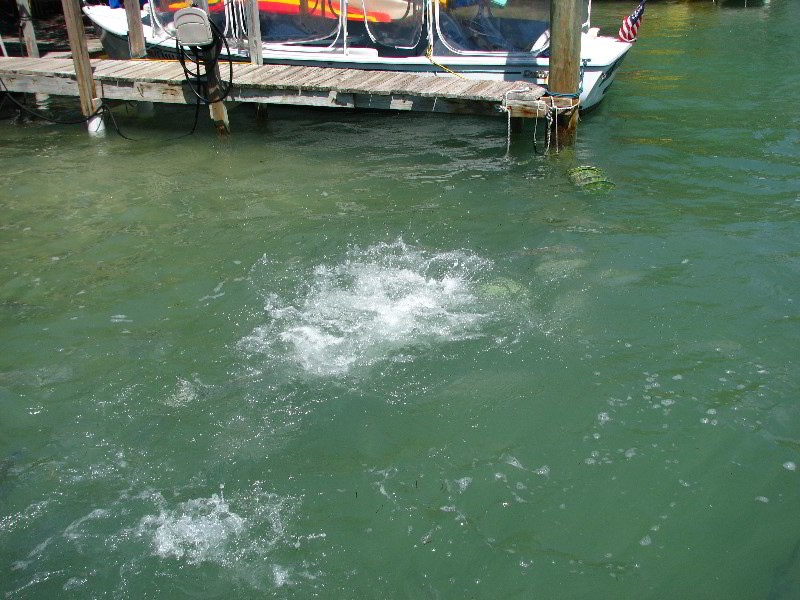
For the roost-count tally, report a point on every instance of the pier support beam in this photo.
(136, 46)
(565, 60)
(26, 24)
(219, 114)
(254, 33)
(135, 30)
(80, 59)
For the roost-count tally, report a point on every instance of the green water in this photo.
(368, 356)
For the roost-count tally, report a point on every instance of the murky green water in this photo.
(367, 356)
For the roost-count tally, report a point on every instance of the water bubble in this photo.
(789, 466)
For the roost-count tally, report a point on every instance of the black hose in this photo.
(102, 110)
(217, 36)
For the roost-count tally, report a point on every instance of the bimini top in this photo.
(391, 27)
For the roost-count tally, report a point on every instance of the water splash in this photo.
(198, 530)
(374, 304)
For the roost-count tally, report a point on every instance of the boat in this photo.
(505, 40)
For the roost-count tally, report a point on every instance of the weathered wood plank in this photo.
(285, 84)
(162, 72)
(326, 81)
(258, 74)
(10, 63)
(118, 68)
(242, 69)
(108, 66)
(137, 68)
(37, 65)
(279, 76)
(43, 84)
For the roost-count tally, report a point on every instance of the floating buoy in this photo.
(590, 178)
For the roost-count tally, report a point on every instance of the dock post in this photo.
(137, 47)
(26, 24)
(80, 58)
(254, 44)
(254, 33)
(219, 114)
(135, 30)
(565, 58)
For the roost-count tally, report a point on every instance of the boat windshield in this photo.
(467, 26)
(393, 23)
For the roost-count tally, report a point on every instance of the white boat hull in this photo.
(601, 57)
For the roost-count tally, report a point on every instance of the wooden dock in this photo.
(163, 81)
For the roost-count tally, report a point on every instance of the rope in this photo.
(551, 114)
(504, 106)
(429, 56)
(577, 94)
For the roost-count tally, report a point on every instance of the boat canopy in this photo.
(390, 27)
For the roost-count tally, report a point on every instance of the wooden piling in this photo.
(3, 47)
(80, 55)
(565, 60)
(254, 33)
(219, 114)
(136, 43)
(26, 24)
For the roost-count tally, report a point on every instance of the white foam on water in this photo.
(463, 484)
(510, 460)
(281, 575)
(197, 530)
(372, 305)
(232, 534)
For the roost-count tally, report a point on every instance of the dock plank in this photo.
(163, 81)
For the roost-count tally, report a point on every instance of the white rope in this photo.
(235, 21)
(504, 106)
(242, 21)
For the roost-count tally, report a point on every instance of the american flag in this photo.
(630, 24)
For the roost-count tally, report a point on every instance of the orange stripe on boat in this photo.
(292, 7)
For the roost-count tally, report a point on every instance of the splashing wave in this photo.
(375, 303)
(198, 530)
